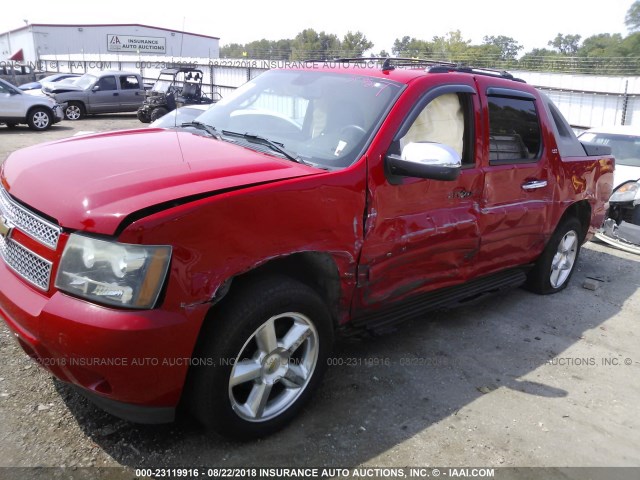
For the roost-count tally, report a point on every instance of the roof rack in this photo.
(433, 66)
(399, 62)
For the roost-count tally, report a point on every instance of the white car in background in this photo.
(39, 112)
(622, 228)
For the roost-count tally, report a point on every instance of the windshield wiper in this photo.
(203, 126)
(277, 146)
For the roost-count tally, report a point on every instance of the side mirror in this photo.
(425, 160)
(95, 88)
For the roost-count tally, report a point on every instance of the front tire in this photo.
(556, 264)
(39, 119)
(143, 117)
(74, 111)
(262, 360)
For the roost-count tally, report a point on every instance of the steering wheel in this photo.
(352, 126)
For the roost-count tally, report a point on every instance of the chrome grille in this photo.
(33, 268)
(33, 225)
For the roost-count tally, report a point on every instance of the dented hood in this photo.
(91, 183)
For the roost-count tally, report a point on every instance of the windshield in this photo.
(321, 118)
(624, 148)
(162, 85)
(85, 81)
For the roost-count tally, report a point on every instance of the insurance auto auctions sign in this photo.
(130, 43)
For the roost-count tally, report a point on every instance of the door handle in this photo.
(116, 94)
(534, 184)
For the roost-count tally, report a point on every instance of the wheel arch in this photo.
(80, 103)
(318, 270)
(580, 210)
(44, 107)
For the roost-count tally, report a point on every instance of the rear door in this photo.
(131, 93)
(518, 187)
(423, 234)
(12, 104)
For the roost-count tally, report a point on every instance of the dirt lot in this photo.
(516, 380)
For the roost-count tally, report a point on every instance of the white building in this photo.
(29, 43)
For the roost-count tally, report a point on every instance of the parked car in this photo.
(153, 268)
(106, 92)
(622, 227)
(55, 78)
(17, 107)
(177, 117)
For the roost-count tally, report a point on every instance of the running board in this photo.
(385, 320)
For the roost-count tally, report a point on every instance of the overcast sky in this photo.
(531, 23)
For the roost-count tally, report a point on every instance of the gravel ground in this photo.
(515, 380)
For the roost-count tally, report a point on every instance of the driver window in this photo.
(441, 121)
(107, 83)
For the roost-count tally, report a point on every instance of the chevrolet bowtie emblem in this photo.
(5, 227)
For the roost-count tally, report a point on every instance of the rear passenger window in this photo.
(129, 82)
(514, 130)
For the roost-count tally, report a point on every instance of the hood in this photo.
(30, 86)
(57, 87)
(624, 173)
(92, 183)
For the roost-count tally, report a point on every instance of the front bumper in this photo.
(131, 363)
(58, 112)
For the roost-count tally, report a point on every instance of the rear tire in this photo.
(158, 113)
(556, 264)
(74, 111)
(263, 358)
(39, 119)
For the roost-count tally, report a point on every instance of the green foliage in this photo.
(311, 45)
(632, 19)
(355, 44)
(601, 53)
(566, 44)
(506, 47)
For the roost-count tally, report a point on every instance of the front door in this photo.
(423, 234)
(106, 98)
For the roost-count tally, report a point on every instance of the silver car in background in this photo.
(16, 107)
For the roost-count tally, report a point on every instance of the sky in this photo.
(532, 23)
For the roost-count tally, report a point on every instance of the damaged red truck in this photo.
(210, 266)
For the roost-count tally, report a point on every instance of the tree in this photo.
(411, 47)
(508, 48)
(632, 19)
(355, 44)
(538, 59)
(451, 47)
(566, 44)
(233, 50)
(603, 45)
(311, 45)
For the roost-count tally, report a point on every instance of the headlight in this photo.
(114, 273)
(627, 192)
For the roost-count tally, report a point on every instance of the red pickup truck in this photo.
(209, 266)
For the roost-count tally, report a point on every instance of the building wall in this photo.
(38, 40)
(10, 43)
